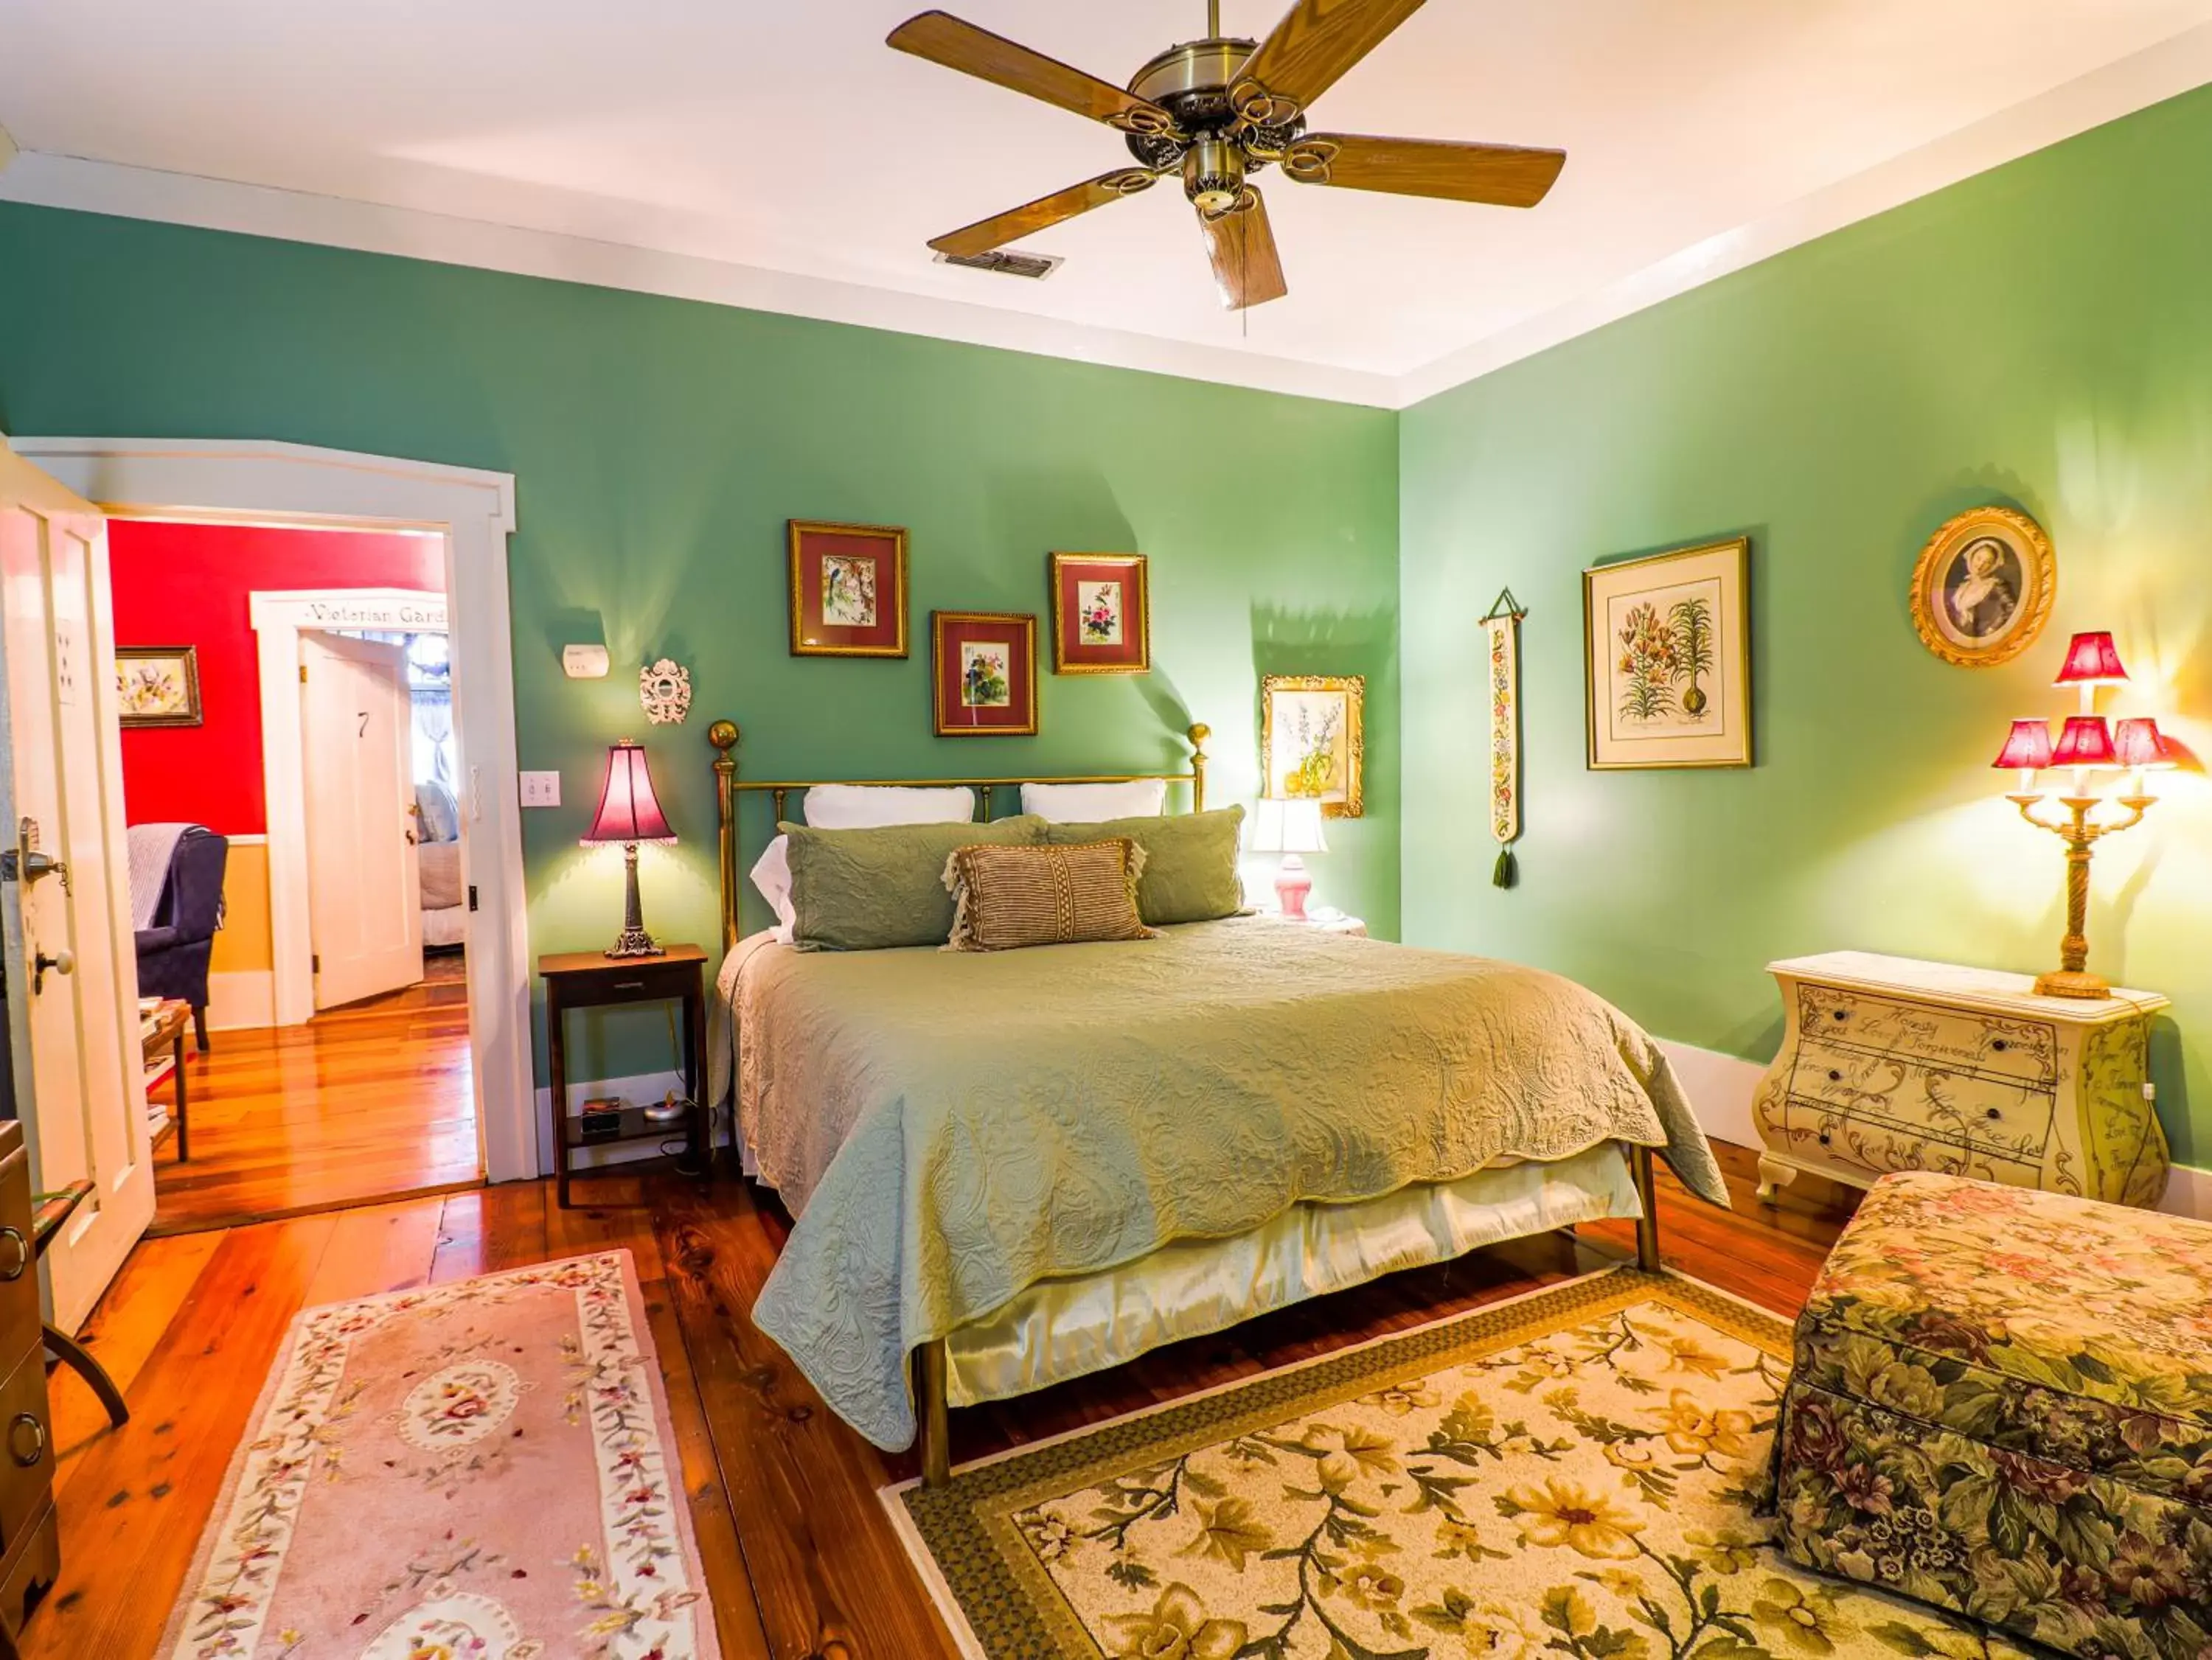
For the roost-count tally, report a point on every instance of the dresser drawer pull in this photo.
(1834, 1077)
(1996, 1112)
(18, 1251)
(1841, 1014)
(2001, 1045)
(24, 1421)
(1824, 1138)
(629, 986)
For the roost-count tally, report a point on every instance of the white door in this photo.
(364, 895)
(72, 969)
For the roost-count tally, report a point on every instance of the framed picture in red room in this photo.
(1102, 614)
(984, 668)
(848, 590)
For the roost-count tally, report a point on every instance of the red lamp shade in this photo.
(628, 811)
(2087, 742)
(2027, 747)
(2092, 660)
(2139, 743)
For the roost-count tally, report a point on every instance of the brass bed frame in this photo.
(931, 1362)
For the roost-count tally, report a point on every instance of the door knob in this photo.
(64, 961)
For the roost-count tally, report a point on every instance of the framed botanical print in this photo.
(983, 668)
(158, 685)
(1312, 740)
(1667, 658)
(1983, 587)
(1101, 615)
(848, 590)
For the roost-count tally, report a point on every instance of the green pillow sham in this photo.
(1190, 861)
(870, 890)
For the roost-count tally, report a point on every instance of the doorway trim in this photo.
(279, 617)
(261, 481)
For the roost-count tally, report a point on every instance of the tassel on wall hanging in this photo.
(1503, 624)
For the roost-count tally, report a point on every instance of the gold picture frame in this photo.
(1000, 647)
(1330, 758)
(1666, 659)
(1127, 578)
(879, 553)
(1984, 586)
(161, 690)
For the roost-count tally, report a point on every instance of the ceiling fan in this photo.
(1218, 110)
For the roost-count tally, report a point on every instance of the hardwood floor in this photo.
(363, 1102)
(800, 1560)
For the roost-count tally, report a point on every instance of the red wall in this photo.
(187, 584)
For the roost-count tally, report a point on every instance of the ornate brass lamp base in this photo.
(2072, 979)
(2070, 983)
(633, 941)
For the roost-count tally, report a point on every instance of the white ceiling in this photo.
(785, 138)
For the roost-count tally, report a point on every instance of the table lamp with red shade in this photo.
(2087, 744)
(629, 814)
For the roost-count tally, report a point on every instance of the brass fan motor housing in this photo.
(1191, 82)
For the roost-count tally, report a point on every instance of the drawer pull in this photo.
(1824, 1138)
(1834, 1077)
(19, 1257)
(1841, 1014)
(1995, 1112)
(16, 1438)
(2001, 1045)
(629, 986)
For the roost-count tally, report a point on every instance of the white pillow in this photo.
(866, 806)
(772, 876)
(1095, 803)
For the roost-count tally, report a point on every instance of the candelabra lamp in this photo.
(2087, 745)
(629, 814)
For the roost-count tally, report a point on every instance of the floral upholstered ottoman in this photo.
(2003, 1405)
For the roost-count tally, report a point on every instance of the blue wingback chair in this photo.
(172, 954)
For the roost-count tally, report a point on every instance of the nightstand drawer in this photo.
(645, 982)
(27, 1454)
(2007, 1047)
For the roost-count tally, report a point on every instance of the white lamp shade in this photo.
(1292, 826)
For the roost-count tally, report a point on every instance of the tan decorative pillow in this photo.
(1005, 898)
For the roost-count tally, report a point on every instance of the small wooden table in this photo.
(593, 979)
(170, 1022)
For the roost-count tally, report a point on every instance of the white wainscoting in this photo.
(242, 999)
(1720, 1089)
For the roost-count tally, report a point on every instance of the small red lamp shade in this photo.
(2087, 742)
(2092, 660)
(2026, 747)
(629, 811)
(2139, 744)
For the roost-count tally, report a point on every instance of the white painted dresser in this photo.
(1892, 1064)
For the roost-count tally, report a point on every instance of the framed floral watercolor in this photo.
(984, 672)
(1983, 587)
(158, 685)
(1102, 622)
(1667, 658)
(1313, 741)
(848, 590)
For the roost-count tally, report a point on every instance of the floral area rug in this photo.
(1571, 1474)
(475, 1471)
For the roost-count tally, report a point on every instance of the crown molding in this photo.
(40, 178)
(2151, 76)
(2172, 67)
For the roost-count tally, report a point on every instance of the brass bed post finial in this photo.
(1199, 734)
(723, 735)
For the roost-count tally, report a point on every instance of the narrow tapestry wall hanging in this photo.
(1504, 627)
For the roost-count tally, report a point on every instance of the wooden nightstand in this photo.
(1892, 1064)
(593, 979)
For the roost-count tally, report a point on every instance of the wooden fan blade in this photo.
(943, 39)
(1241, 245)
(1313, 45)
(1503, 175)
(1016, 224)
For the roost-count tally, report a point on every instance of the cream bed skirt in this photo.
(1064, 1329)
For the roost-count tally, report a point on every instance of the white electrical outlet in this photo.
(541, 789)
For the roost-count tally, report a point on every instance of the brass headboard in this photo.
(723, 735)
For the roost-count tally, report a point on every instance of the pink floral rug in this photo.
(474, 1471)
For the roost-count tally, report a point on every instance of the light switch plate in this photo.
(541, 789)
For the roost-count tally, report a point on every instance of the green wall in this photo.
(658, 447)
(2039, 335)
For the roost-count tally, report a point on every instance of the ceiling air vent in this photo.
(1031, 265)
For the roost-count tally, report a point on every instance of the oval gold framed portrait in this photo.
(1982, 590)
